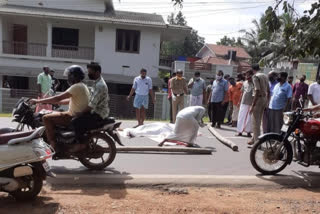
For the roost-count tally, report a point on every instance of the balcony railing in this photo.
(37, 49)
(73, 52)
(166, 61)
(23, 48)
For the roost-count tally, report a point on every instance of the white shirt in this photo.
(314, 91)
(142, 86)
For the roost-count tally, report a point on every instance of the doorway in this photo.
(20, 39)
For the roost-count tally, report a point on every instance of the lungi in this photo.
(244, 119)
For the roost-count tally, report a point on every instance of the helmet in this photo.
(75, 70)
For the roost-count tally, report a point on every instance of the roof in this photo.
(222, 61)
(118, 17)
(222, 50)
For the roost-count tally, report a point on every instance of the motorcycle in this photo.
(273, 151)
(23, 166)
(101, 150)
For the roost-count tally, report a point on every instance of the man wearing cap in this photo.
(198, 90)
(44, 82)
(179, 89)
(261, 95)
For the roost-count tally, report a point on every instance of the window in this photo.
(65, 37)
(128, 41)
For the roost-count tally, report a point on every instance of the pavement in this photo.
(222, 167)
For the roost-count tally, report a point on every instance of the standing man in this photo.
(227, 109)
(170, 95)
(244, 118)
(217, 98)
(314, 92)
(208, 91)
(198, 90)
(261, 95)
(280, 99)
(44, 83)
(179, 89)
(273, 81)
(234, 98)
(290, 81)
(142, 86)
(300, 89)
(55, 81)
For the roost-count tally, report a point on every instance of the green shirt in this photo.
(45, 81)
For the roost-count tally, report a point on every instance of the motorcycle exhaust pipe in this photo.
(9, 184)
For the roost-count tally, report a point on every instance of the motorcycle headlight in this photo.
(288, 118)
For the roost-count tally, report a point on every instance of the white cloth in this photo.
(196, 100)
(142, 86)
(314, 91)
(185, 129)
(244, 119)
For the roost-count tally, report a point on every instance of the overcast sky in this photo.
(211, 18)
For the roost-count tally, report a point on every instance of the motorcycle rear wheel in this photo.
(108, 146)
(32, 187)
(269, 163)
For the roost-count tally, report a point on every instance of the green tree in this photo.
(189, 46)
(230, 41)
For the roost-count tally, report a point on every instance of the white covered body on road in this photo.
(185, 130)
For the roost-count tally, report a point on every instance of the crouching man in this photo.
(187, 125)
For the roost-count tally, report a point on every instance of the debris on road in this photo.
(223, 140)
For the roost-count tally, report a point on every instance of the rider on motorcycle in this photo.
(98, 107)
(77, 96)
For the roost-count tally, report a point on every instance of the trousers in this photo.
(257, 114)
(177, 105)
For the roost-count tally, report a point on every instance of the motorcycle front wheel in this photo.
(101, 154)
(264, 157)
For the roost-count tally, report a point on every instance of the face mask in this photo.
(197, 78)
(91, 76)
(218, 77)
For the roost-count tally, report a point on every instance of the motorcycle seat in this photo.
(5, 138)
(108, 120)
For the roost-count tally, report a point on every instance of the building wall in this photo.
(128, 64)
(87, 5)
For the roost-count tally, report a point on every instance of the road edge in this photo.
(129, 180)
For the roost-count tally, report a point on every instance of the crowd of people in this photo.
(249, 102)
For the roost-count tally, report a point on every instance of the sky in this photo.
(211, 18)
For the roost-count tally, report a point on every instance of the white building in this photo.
(59, 33)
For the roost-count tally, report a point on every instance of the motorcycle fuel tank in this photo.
(311, 129)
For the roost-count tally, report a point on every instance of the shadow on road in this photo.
(88, 182)
(302, 179)
(40, 205)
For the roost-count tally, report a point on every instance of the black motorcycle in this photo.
(101, 149)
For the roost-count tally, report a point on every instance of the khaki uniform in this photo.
(261, 88)
(177, 88)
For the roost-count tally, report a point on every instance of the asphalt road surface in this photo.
(223, 160)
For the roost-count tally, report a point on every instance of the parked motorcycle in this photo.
(273, 152)
(23, 165)
(101, 142)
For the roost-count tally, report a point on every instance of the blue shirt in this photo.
(281, 94)
(219, 89)
(142, 86)
(272, 85)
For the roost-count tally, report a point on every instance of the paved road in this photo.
(223, 160)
